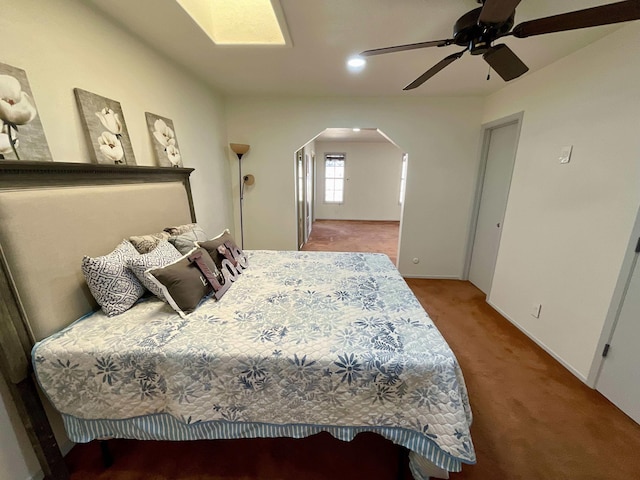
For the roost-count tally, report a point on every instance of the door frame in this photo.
(482, 167)
(299, 190)
(617, 300)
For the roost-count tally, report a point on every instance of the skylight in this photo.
(239, 22)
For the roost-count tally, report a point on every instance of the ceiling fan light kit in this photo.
(478, 29)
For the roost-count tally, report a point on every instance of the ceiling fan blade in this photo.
(506, 63)
(402, 48)
(589, 17)
(497, 11)
(433, 70)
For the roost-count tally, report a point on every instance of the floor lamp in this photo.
(240, 149)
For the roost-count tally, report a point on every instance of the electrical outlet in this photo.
(535, 310)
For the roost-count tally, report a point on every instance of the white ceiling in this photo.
(326, 32)
(367, 135)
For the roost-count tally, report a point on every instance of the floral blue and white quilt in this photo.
(302, 342)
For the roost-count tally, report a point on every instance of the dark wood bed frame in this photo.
(15, 338)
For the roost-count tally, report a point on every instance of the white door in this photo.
(500, 156)
(619, 379)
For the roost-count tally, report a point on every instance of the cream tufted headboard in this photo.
(51, 215)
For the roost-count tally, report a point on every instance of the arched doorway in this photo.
(349, 189)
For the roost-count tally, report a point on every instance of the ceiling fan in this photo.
(478, 29)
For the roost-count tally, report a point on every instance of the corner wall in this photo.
(567, 226)
(441, 136)
(63, 44)
(372, 181)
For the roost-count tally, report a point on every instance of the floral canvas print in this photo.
(105, 129)
(165, 143)
(21, 133)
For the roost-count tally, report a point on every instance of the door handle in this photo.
(498, 225)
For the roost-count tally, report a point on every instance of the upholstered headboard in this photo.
(51, 215)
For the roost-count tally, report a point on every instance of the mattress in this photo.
(302, 342)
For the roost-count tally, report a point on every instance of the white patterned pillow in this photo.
(162, 255)
(111, 283)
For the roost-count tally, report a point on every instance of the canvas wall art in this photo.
(105, 129)
(21, 133)
(165, 143)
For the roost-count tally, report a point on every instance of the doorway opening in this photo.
(350, 192)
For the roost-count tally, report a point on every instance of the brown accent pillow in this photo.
(146, 243)
(212, 246)
(182, 282)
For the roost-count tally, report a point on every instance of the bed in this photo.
(302, 342)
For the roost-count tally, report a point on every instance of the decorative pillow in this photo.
(187, 281)
(228, 257)
(146, 243)
(162, 255)
(216, 247)
(111, 283)
(180, 229)
(185, 242)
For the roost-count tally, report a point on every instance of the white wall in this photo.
(63, 44)
(441, 136)
(372, 181)
(567, 226)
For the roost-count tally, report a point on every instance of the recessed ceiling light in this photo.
(356, 63)
(356, 129)
(239, 22)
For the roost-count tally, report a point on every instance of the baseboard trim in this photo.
(433, 277)
(541, 344)
(363, 220)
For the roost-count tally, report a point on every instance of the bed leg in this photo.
(403, 457)
(107, 458)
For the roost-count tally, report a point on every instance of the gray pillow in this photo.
(111, 283)
(180, 229)
(185, 242)
(213, 246)
(182, 283)
(162, 255)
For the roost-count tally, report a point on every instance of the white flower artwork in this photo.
(110, 120)
(6, 146)
(111, 147)
(105, 129)
(165, 143)
(19, 118)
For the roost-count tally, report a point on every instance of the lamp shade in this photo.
(239, 148)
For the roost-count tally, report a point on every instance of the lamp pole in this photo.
(241, 186)
(240, 149)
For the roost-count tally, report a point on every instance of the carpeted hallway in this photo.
(355, 236)
(532, 418)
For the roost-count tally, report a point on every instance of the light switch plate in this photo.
(535, 310)
(565, 154)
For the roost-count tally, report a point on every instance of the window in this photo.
(403, 177)
(334, 177)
